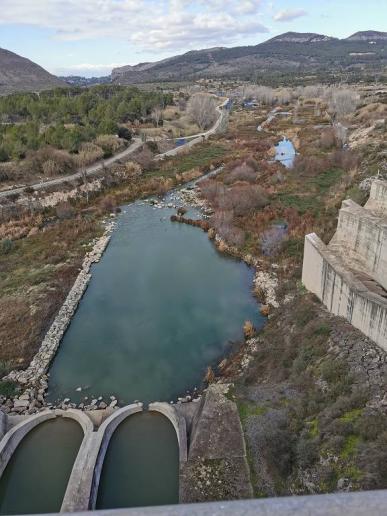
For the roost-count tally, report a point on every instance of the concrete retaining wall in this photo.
(341, 292)
(362, 237)
(377, 201)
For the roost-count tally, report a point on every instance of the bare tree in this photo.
(82, 162)
(343, 102)
(201, 108)
(157, 114)
(341, 133)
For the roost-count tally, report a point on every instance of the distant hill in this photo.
(301, 37)
(79, 81)
(291, 52)
(368, 35)
(20, 74)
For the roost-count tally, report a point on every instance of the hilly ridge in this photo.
(20, 74)
(287, 53)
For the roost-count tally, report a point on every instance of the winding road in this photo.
(135, 145)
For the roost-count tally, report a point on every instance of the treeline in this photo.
(66, 118)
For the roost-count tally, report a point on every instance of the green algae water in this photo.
(141, 467)
(35, 478)
(162, 305)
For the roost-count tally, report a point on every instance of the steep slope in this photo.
(20, 74)
(289, 52)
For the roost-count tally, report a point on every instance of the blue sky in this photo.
(90, 37)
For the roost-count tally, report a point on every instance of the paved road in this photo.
(136, 144)
(90, 171)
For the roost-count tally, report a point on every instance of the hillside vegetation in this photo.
(55, 131)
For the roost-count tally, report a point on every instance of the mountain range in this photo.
(291, 53)
(288, 53)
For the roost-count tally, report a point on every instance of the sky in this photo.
(90, 37)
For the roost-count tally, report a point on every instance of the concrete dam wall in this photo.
(349, 275)
(208, 431)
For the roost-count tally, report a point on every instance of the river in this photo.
(162, 305)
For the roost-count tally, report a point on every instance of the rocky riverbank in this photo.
(34, 378)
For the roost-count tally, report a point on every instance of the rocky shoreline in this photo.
(35, 377)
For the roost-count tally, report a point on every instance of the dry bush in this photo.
(108, 204)
(328, 139)
(211, 189)
(128, 170)
(50, 161)
(310, 166)
(64, 210)
(108, 143)
(248, 330)
(222, 221)
(241, 173)
(145, 158)
(271, 240)
(345, 159)
(243, 199)
(88, 153)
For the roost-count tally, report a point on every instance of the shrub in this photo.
(241, 173)
(124, 133)
(8, 388)
(6, 246)
(306, 452)
(64, 210)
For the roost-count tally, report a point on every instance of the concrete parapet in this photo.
(372, 503)
(326, 275)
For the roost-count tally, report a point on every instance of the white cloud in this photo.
(149, 24)
(289, 15)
